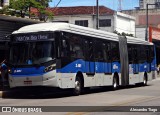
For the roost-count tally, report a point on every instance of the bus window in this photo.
(151, 48)
(19, 53)
(135, 54)
(115, 51)
(130, 54)
(147, 54)
(142, 54)
(99, 51)
(108, 52)
(88, 49)
(104, 51)
(76, 50)
(65, 45)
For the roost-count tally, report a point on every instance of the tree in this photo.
(23, 6)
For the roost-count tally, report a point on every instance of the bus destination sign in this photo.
(31, 37)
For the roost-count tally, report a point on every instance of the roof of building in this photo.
(78, 10)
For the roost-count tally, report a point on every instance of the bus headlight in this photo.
(9, 71)
(50, 68)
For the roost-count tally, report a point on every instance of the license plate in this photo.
(28, 82)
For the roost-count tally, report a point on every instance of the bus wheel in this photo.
(145, 80)
(115, 83)
(78, 86)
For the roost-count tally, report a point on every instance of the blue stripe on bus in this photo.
(92, 67)
(32, 71)
(143, 67)
(85, 67)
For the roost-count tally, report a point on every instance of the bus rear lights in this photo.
(50, 68)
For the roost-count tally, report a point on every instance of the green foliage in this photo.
(4, 10)
(123, 33)
(23, 6)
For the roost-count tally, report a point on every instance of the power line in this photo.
(57, 5)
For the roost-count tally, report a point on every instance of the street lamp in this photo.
(157, 5)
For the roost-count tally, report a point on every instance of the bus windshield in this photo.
(32, 52)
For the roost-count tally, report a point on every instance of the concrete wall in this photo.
(72, 18)
(118, 20)
(144, 2)
(140, 15)
(140, 32)
(124, 23)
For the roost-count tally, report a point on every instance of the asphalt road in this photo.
(100, 100)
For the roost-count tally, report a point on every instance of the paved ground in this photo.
(130, 96)
(6, 90)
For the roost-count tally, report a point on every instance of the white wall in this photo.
(6, 3)
(148, 2)
(140, 33)
(124, 23)
(72, 19)
(119, 21)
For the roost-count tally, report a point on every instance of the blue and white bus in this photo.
(68, 56)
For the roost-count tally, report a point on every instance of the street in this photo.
(97, 98)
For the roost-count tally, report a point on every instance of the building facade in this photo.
(109, 20)
(140, 15)
(143, 3)
(4, 3)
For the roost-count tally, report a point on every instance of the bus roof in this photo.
(66, 27)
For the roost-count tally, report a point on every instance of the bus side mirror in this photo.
(4, 67)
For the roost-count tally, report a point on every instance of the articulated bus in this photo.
(65, 56)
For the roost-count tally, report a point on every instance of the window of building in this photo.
(82, 23)
(105, 23)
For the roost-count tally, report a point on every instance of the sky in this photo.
(112, 4)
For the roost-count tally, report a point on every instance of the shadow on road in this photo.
(47, 92)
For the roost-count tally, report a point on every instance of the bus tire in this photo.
(78, 86)
(145, 79)
(115, 83)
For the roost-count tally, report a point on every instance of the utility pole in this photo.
(147, 23)
(97, 15)
(146, 36)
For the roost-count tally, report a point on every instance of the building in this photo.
(143, 3)
(4, 3)
(8, 24)
(109, 20)
(153, 32)
(140, 15)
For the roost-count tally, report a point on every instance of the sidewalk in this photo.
(3, 89)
